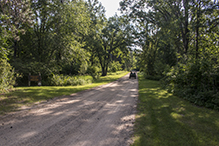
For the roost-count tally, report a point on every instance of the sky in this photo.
(111, 7)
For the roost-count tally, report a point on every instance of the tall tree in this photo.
(98, 20)
(14, 15)
(116, 35)
(56, 39)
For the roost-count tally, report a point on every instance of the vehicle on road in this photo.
(132, 74)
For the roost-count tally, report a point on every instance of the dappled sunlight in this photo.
(43, 112)
(117, 129)
(119, 101)
(204, 115)
(28, 134)
(165, 119)
(26, 96)
(127, 81)
(133, 90)
(179, 109)
(137, 139)
(141, 115)
(102, 115)
(133, 96)
(190, 114)
(176, 115)
(70, 101)
(165, 105)
(128, 117)
(58, 113)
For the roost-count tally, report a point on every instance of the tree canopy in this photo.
(61, 37)
(179, 43)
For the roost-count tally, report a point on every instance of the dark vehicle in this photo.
(132, 74)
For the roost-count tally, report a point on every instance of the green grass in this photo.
(166, 120)
(30, 95)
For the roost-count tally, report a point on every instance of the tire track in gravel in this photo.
(100, 116)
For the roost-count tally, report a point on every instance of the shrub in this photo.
(94, 71)
(195, 81)
(159, 71)
(65, 80)
(115, 66)
(7, 76)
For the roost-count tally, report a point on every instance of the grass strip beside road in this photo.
(29, 95)
(166, 120)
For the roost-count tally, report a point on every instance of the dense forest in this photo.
(180, 45)
(174, 41)
(61, 37)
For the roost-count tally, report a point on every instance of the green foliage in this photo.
(54, 37)
(167, 120)
(64, 80)
(46, 71)
(55, 44)
(14, 15)
(160, 68)
(197, 82)
(115, 66)
(83, 68)
(94, 71)
(155, 62)
(179, 40)
(115, 38)
(7, 78)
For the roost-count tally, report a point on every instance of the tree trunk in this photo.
(186, 30)
(197, 31)
(104, 71)
(15, 49)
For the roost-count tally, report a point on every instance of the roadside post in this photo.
(35, 78)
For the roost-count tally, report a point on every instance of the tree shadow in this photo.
(100, 116)
(164, 119)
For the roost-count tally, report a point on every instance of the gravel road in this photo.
(101, 116)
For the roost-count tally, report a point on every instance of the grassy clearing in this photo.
(166, 120)
(30, 95)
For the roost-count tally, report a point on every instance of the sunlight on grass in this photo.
(30, 95)
(176, 115)
(167, 120)
(164, 105)
(140, 116)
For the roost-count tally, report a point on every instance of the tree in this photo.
(187, 32)
(115, 35)
(14, 16)
(92, 39)
(57, 34)
(55, 41)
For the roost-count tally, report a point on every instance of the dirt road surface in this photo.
(102, 116)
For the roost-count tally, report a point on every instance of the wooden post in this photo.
(39, 82)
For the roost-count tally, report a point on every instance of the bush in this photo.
(64, 80)
(197, 82)
(115, 66)
(159, 71)
(7, 76)
(94, 71)
(35, 68)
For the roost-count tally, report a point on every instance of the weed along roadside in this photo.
(167, 120)
(27, 96)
